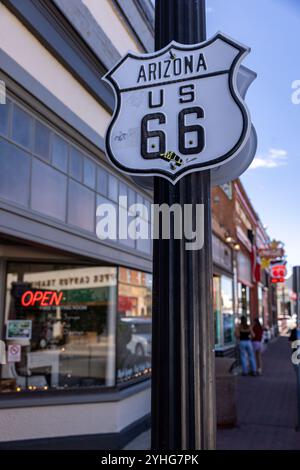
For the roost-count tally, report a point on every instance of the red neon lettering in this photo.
(43, 298)
(46, 298)
(56, 298)
(37, 296)
(24, 302)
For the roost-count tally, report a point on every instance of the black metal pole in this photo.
(183, 402)
(296, 289)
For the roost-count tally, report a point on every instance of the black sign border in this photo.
(196, 167)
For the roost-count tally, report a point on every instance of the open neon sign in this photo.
(41, 298)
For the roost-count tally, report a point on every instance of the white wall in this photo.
(113, 25)
(28, 52)
(71, 420)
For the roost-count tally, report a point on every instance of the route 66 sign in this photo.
(178, 110)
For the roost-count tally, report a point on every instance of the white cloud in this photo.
(273, 159)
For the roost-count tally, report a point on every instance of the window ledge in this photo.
(37, 399)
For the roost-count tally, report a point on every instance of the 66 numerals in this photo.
(183, 128)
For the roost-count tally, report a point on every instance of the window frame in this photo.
(80, 395)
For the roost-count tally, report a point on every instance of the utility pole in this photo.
(183, 388)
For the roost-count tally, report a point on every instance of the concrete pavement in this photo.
(266, 407)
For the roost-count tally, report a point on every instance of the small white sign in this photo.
(14, 353)
(19, 329)
(178, 110)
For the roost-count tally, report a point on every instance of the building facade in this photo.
(241, 234)
(75, 310)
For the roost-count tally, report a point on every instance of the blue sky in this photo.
(272, 29)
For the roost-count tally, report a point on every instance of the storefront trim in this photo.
(111, 441)
(219, 270)
(50, 27)
(10, 68)
(21, 223)
(131, 13)
(67, 397)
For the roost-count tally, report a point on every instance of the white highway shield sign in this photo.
(178, 110)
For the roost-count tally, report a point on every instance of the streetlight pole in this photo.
(183, 390)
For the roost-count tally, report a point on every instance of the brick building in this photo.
(239, 233)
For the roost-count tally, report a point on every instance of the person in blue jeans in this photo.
(244, 334)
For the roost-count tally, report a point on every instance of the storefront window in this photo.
(227, 188)
(59, 327)
(244, 300)
(227, 309)
(223, 310)
(217, 309)
(134, 324)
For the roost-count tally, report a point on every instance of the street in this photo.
(266, 407)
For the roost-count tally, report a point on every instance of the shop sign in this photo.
(19, 329)
(178, 110)
(41, 298)
(222, 254)
(278, 272)
(272, 251)
(14, 353)
(65, 279)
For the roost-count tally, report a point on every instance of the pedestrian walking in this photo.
(257, 343)
(244, 334)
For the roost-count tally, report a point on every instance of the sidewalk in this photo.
(266, 407)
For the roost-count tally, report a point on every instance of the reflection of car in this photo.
(140, 343)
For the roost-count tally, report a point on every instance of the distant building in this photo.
(240, 234)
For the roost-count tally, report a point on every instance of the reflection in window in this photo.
(227, 309)
(4, 117)
(67, 335)
(102, 181)
(59, 153)
(42, 140)
(49, 189)
(22, 127)
(81, 206)
(76, 164)
(89, 176)
(134, 325)
(113, 188)
(123, 191)
(217, 309)
(14, 184)
(131, 198)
